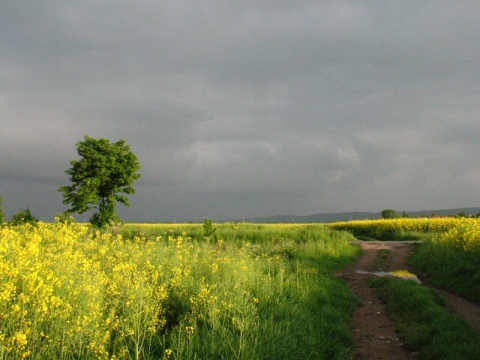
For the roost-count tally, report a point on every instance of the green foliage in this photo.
(424, 324)
(105, 215)
(389, 214)
(208, 229)
(64, 218)
(23, 217)
(450, 268)
(2, 213)
(105, 171)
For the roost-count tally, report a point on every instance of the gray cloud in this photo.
(245, 109)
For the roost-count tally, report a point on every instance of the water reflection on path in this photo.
(402, 274)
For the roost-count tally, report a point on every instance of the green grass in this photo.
(398, 235)
(302, 310)
(381, 261)
(450, 268)
(423, 322)
(238, 233)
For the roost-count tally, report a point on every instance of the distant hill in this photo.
(356, 215)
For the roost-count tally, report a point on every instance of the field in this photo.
(165, 291)
(398, 229)
(213, 291)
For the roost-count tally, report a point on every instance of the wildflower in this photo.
(20, 339)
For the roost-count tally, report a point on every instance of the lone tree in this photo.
(389, 214)
(105, 171)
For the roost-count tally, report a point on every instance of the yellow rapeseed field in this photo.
(459, 233)
(387, 229)
(67, 292)
(464, 236)
(63, 293)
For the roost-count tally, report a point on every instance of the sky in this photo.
(241, 109)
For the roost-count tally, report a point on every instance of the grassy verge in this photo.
(451, 261)
(449, 268)
(424, 324)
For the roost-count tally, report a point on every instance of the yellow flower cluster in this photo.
(69, 292)
(381, 228)
(465, 236)
(65, 292)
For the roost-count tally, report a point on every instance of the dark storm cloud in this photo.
(240, 109)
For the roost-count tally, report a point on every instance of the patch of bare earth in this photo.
(374, 333)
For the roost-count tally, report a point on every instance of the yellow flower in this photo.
(20, 339)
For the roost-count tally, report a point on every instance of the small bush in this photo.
(208, 228)
(2, 214)
(64, 218)
(23, 217)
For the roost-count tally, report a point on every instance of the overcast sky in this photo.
(238, 109)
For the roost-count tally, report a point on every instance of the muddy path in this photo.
(373, 331)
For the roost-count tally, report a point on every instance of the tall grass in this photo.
(233, 232)
(424, 324)
(153, 292)
(451, 260)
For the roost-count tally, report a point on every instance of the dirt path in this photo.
(374, 332)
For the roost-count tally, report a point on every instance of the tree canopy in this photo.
(389, 214)
(105, 171)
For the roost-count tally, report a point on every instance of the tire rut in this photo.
(373, 331)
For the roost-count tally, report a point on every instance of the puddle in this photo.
(402, 274)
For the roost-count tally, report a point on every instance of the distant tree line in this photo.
(392, 214)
